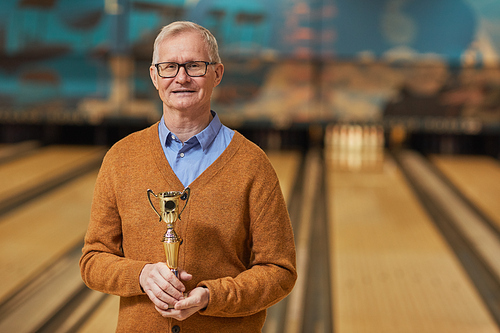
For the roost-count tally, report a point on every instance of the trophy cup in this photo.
(169, 208)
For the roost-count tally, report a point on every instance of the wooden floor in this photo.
(391, 270)
(56, 184)
(18, 176)
(31, 175)
(105, 318)
(11, 151)
(49, 224)
(33, 236)
(477, 177)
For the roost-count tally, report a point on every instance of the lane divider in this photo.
(296, 299)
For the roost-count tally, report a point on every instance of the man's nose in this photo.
(182, 75)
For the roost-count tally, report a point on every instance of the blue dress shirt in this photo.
(190, 159)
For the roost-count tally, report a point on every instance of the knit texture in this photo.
(237, 237)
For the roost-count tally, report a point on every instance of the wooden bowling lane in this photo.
(477, 178)
(29, 176)
(391, 269)
(310, 308)
(15, 150)
(286, 164)
(475, 241)
(34, 237)
(105, 318)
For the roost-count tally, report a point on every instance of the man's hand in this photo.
(161, 285)
(197, 299)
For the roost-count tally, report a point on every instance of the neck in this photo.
(184, 126)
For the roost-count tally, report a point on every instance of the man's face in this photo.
(182, 92)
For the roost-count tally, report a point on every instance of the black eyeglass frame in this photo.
(183, 65)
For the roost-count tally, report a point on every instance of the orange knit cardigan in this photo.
(237, 236)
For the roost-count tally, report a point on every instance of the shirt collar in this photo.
(205, 137)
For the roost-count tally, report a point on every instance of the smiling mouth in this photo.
(183, 91)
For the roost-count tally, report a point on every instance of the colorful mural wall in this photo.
(287, 61)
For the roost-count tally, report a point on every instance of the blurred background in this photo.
(78, 71)
(381, 117)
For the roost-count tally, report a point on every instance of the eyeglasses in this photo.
(193, 68)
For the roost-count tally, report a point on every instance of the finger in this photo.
(153, 274)
(157, 302)
(164, 312)
(184, 276)
(170, 290)
(186, 303)
(192, 300)
(160, 298)
(177, 314)
(170, 277)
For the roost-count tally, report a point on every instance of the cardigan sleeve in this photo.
(272, 272)
(103, 265)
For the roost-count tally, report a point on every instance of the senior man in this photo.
(237, 257)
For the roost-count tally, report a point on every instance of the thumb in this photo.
(185, 276)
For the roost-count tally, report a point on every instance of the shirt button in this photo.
(176, 329)
(181, 154)
(173, 137)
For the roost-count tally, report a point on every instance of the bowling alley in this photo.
(285, 166)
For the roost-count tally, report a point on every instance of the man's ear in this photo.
(153, 75)
(219, 72)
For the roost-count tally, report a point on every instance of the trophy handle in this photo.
(185, 196)
(151, 203)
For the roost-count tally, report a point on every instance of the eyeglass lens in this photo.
(193, 68)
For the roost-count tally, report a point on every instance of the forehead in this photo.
(185, 46)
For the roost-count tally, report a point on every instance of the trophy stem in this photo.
(171, 243)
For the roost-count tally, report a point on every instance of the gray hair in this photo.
(175, 28)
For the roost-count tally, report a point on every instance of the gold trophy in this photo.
(169, 208)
